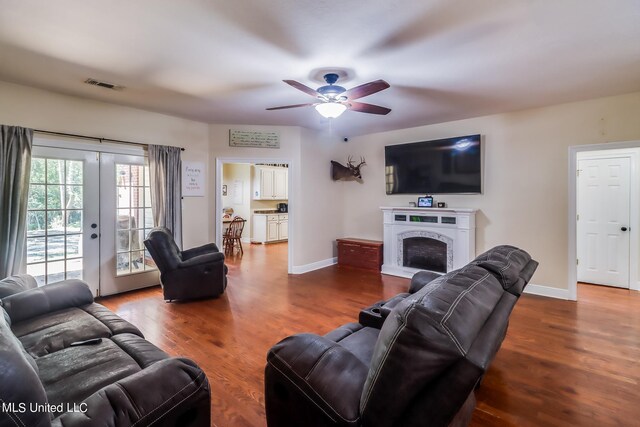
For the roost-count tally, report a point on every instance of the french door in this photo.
(88, 215)
(125, 211)
(63, 216)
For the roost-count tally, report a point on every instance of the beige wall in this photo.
(322, 198)
(525, 174)
(40, 109)
(232, 172)
(525, 171)
(315, 220)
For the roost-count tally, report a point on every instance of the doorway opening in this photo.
(604, 215)
(252, 214)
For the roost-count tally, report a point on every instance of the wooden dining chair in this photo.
(233, 235)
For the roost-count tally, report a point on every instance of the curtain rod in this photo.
(75, 135)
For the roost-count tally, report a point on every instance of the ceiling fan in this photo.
(333, 100)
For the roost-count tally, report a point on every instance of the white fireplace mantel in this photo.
(454, 226)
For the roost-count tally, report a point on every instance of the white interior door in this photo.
(63, 216)
(603, 221)
(126, 218)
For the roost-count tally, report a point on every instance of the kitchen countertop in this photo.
(267, 212)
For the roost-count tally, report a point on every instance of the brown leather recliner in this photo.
(419, 369)
(190, 274)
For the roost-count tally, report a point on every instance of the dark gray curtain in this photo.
(165, 167)
(15, 168)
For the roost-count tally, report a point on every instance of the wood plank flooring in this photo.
(562, 363)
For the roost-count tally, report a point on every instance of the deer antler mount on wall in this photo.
(347, 173)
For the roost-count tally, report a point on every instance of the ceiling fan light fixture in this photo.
(330, 110)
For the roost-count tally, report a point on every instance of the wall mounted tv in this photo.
(442, 166)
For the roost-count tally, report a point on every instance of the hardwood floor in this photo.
(562, 363)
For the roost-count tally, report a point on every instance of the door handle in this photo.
(94, 236)
(623, 228)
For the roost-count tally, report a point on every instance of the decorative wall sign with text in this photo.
(193, 179)
(252, 138)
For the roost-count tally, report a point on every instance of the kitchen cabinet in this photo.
(270, 183)
(269, 228)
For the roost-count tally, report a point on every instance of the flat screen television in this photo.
(442, 166)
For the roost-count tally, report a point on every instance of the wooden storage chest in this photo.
(360, 253)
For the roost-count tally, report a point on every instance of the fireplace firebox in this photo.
(424, 253)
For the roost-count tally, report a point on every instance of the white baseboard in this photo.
(300, 269)
(547, 291)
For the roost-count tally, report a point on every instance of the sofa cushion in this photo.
(115, 323)
(19, 382)
(423, 336)
(74, 373)
(14, 284)
(55, 331)
(505, 262)
(142, 351)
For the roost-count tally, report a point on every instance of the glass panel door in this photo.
(62, 216)
(126, 222)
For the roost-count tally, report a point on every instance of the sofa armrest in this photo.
(207, 258)
(46, 299)
(320, 378)
(200, 250)
(421, 279)
(171, 392)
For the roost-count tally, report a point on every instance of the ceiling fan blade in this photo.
(304, 88)
(361, 107)
(291, 106)
(366, 89)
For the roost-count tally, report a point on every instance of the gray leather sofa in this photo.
(419, 369)
(49, 377)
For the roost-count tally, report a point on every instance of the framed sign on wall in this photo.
(256, 139)
(193, 179)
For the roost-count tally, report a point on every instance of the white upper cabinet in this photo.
(270, 183)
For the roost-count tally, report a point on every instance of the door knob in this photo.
(623, 228)
(94, 225)
(94, 236)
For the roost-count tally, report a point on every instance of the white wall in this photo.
(40, 109)
(525, 175)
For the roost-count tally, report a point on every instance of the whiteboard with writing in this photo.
(193, 179)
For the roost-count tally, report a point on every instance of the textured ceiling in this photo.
(224, 61)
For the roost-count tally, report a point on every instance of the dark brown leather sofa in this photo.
(419, 369)
(46, 379)
(190, 274)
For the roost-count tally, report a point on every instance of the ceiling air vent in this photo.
(105, 85)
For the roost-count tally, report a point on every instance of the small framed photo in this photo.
(224, 189)
(425, 202)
